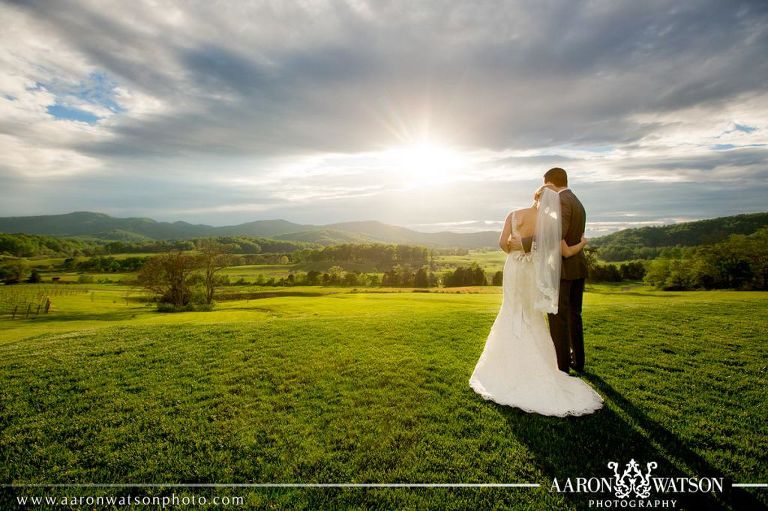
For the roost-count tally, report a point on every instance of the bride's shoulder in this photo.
(520, 216)
(521, 213)
(516, 214)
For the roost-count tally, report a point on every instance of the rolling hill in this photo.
(105, 227)
(85, 224)
(701, 232)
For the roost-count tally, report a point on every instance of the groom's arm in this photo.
(566, 212)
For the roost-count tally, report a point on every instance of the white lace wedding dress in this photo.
(518, 366)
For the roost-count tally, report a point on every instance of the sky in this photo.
(434, 115)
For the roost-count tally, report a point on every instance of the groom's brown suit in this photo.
(566, 327)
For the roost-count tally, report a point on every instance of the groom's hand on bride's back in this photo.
(517, 243)
(526, 243)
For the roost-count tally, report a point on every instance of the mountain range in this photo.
(87, 224)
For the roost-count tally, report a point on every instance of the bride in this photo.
(518, 366)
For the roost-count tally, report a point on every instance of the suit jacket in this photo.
(574, 221)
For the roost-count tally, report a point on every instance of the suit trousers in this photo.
(566, 327)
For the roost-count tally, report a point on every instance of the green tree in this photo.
(15, 271)
(632, 271)
(351, 278)
(34, 277)
(212, 259)
(313, 278)
(421, 279)
(169, 276)
(336, 274)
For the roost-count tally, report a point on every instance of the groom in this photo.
(565, 327)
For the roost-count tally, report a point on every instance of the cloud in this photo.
(186, 109)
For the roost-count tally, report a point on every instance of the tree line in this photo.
(379, 255)
(666, 241)
(399, 276)
(232, 244)
(32, 245)
(740, 262)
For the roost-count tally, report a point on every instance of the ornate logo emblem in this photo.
(632, 481)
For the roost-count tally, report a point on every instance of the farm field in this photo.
(490, 261)
(347, 386)
(49, 267)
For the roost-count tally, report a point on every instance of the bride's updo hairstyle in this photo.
(557, 177)
(538, 192)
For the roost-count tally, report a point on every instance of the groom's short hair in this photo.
(557, 177)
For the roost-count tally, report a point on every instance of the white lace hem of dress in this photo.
(592, 407)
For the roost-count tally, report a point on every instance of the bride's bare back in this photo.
(525, 221)
(525, 226)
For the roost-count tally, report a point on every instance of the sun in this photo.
(423, 163)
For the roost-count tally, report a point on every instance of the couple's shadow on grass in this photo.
(582, 447)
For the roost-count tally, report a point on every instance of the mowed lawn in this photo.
(372, 387)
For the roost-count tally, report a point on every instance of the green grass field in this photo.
(372, 387)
